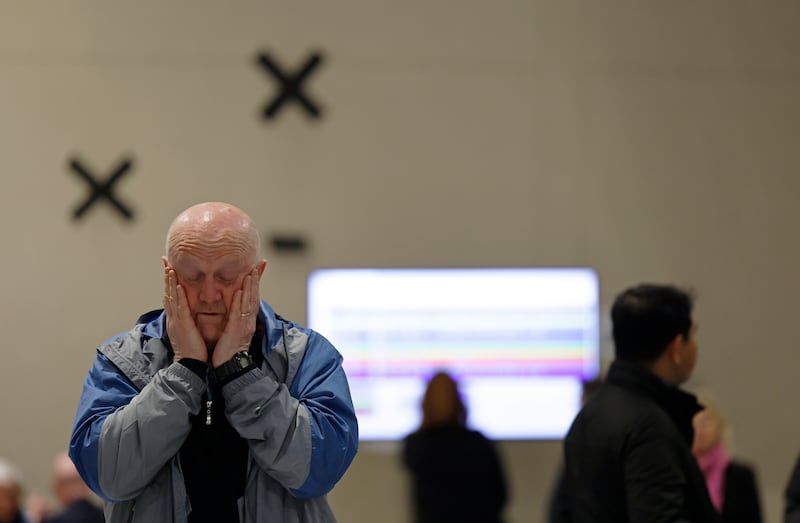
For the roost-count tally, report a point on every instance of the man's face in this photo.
(210, 279)
(688, 350)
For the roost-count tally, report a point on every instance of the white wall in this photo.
(651, 140)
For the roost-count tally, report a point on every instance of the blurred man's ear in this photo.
(674, 349)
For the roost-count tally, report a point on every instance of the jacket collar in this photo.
(680, 405)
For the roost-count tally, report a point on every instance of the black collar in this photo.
(680, 405)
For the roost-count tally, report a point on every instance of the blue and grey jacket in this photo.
(295, 412)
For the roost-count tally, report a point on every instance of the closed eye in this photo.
(193, 279)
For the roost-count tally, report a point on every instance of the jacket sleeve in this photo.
(306, 437)
(655, 484)
(122, 437)
(741, 493)
(558, 503)
(792, 499)
(495, 475)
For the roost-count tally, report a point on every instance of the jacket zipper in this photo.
(209, 401)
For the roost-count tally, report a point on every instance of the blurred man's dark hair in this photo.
(646, 318)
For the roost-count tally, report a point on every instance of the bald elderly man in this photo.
(72, 494)
(215, 408)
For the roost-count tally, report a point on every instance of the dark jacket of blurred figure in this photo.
(792, 500)
(456, 472)
(558, 495)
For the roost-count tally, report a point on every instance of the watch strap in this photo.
(240, 363)
(199, 367)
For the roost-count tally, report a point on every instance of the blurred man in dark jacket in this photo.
(628, 453)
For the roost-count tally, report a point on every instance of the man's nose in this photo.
(210, 291)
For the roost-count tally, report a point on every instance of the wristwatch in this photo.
(240, 362)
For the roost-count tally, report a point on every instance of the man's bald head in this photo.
(208, 227)
(63, 467)
(67, 484)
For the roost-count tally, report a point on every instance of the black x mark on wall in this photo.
(101, 189)
(290, 86)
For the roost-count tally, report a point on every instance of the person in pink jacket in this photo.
(731, 484)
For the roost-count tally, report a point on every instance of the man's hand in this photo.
(241, 320)
(183, 333)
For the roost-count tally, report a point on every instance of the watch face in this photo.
(243, 359)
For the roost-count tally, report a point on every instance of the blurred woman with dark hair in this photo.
(456, 472)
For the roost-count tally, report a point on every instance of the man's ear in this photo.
(166, 263)
(260, 265)
(674, 349)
